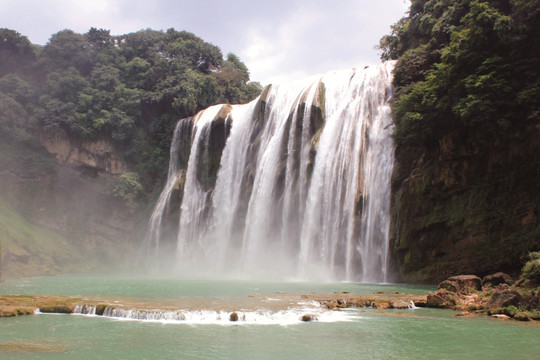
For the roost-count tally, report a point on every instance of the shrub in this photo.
(531, 270)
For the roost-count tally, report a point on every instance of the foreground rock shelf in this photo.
(495, 295)
(15, 305)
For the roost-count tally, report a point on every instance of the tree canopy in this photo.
(129, 89)
(467, 66)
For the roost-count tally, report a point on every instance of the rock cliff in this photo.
(98, 155)
(61, 216)
(466, 207)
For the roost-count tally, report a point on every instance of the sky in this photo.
(278, 40)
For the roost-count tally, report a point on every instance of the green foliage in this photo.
(16, 53)
(129, 189)
(469, 67)
(531, 270)
(129, 89)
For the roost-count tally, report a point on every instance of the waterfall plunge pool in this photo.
(355, 334)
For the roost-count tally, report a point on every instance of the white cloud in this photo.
(270, 50)
(278, 40)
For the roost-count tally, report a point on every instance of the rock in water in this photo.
(505, 296)
(308, 317)
(462, 284)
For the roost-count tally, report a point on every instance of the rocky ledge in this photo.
(15, 305)
(496, 295)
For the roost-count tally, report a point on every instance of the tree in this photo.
(66, 49)
(470, 70)
(17, 55)
(129, 89)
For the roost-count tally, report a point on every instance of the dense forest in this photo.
(129, 90)
(466, 185)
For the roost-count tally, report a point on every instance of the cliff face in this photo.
(97, 155)
(60, 216)
(466, 207)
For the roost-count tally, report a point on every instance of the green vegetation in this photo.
(531, 270)
(129, 89)
(466, 193)
(467, 67)
(128, 188)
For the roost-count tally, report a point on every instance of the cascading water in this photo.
(295, 184)
(175, 175)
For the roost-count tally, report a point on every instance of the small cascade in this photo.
(85, 310)
(295, 184)
(214, 317)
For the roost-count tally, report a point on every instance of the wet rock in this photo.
(399, 304)
(330, 304)
(505, 296)
(441, 299)
(233, 317)
(308, 317)
(522, 316)
(464, 314)
(342, 303)
(461, 284)
(500, 316)
(57, 308)
(496, 279)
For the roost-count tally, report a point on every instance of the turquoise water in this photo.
(372, 334)
(174, 287)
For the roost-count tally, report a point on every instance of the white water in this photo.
(153, 236)
(275, 213)
(219, 317)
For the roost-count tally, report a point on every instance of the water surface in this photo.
(365, 334)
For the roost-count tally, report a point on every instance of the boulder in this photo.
(505, 296)
(441, 299)
(399, 304)
(381, 305)
(522, 316)
(464, 314)
(496, 279)
(461, 284)
(233, 317)
(308, 317)
(500, 316)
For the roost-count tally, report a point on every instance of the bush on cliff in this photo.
(531, 270)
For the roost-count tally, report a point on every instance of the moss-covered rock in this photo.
(57, 308)
(215, 137)
(465, 207)
(531, 270)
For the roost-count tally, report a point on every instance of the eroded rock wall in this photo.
(466, 207)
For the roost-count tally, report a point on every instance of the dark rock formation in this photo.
(233, 317)
(441, 299)
(504, 296)
(462, 284)
(215, 136)
(496, 279)
(308, 317)
(465, 207)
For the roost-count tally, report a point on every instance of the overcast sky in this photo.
(278, 40)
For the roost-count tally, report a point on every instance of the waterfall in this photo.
(295, 184)
(174, 176)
